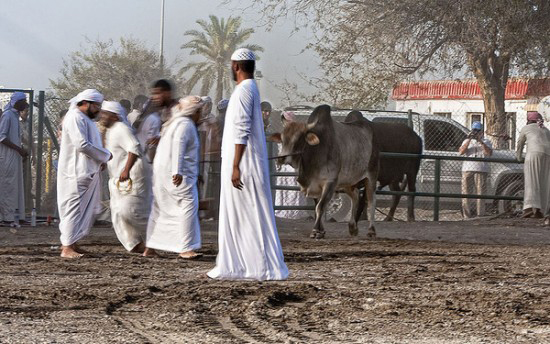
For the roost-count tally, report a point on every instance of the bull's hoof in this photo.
(411, 219)
(371, 233)
(388, 218)
(315, 234)
(353, 230)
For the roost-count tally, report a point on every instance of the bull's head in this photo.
(294, 138)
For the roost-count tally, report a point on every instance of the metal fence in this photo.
(439, 183)
(440, 195)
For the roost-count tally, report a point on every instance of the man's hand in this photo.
(23, 153)
(177, 179)
(153, 141)
(236, 178)
(124, 176)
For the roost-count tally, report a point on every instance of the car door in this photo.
(441, 138)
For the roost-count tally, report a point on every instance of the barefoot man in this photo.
(129, 179)
(174, 221)
(81, 158)
(248, 241)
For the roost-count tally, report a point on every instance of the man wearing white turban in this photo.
(248, 241)
(81, 158)
(129, 179)
(174, 221)
(11, 163)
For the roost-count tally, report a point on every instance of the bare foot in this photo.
(151, 253)
(190, 255)
(139, 248)
(70, 252)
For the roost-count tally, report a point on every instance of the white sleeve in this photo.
(127, 140)
(178, 149)
(154, 127)
(243, 118)
(76, 128)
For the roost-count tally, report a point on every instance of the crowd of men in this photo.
(151, 155)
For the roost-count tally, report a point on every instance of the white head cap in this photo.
(89, 95)
(117, 109)
(243, 54)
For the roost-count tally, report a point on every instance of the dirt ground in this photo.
(485, 281)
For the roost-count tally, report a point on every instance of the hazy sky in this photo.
(38, 34)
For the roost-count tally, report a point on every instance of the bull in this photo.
(330, 156)
(397, 173)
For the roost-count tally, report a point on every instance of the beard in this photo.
(234, 74)
(91, 114)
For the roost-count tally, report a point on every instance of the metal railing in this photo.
(436, 195)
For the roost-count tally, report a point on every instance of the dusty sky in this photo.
(38, 34)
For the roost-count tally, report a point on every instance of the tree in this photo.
(366, 46)
(122, 71)
(216, 42)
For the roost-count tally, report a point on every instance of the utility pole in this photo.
(161, 53)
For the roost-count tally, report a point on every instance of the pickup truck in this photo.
(441, 136)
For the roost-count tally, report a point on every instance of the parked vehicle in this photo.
(441, 136)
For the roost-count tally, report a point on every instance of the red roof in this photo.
(468, 89)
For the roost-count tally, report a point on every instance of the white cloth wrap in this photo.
(249, 246)
(78, 178)
(174, 222)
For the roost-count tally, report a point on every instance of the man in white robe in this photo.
(155, 113)
(174, 221)
(129, 179)
(249, 246)
(11, 164)
(81, 158)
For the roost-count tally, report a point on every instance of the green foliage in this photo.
(215, 43)
(121, 70)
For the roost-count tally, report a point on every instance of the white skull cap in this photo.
(243, 54)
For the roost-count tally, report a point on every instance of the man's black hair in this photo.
(139, 101)
(247, 66)
(126, 104)
(266, 106)
(163, 84)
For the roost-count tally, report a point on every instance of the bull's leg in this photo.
(313, 234)
(411, 183)
(361, 203)
(370, 189)
(318, 231)
(394, 186)
(353, 193)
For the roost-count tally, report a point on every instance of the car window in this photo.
(442, 136)
(391, 120)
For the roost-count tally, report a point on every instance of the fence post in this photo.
(410, 119)
(28, 165)
(41, 96)
(437, 187)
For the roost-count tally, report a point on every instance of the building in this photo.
(461, 100)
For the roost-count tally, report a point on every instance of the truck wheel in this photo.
(513, 189)
(339, 208)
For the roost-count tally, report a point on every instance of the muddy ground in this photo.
(486, 281)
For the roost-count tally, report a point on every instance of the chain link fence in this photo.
(442, 137)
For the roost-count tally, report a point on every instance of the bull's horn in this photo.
(312, 125)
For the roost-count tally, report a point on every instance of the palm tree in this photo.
(216, 42)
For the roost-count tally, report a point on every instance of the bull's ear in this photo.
(312, 139)
(275, 138)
